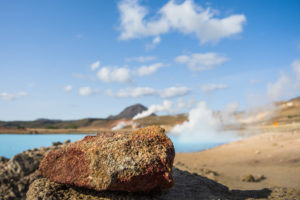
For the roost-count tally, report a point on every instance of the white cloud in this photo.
(182, 104)
(212, 87)
(7, 96)
(87, 91)
(84, 77)
(286, 86)
(146, 70)
(187, 18)
(279, 89)
(68, 88)
(174, 92)
(147, 91)
(201, 61)
(296, 67)
(140, 59)
(133, 92)
(95, 65)
(154, 43)
(165, 107)
(114, 74)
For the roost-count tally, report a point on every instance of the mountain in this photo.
(129, 112)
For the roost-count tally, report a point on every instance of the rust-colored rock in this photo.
(140, 161)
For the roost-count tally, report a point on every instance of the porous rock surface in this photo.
(140, 161)
(187, 186)
(18, 172)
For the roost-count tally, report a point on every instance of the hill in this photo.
(129, 112)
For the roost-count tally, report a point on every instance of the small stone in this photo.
(140, 161)
(56, 143)
(67, 142)
(252, 178)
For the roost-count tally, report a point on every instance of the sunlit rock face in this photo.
(140, 161)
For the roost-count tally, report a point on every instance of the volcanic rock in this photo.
(18, 172)
(140, 161)
(187, 186)
(129, 112)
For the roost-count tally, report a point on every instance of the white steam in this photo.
(119, 126)
(202, 126)
(165, 107)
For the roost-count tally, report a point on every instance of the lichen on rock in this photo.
(140, 161)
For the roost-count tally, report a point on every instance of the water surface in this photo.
(11, 144)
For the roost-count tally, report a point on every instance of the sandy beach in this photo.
(273, 157)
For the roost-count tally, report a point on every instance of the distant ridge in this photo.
(129, 112)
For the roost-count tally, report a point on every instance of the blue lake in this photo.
(11, 144)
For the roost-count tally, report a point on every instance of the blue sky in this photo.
(221, 52)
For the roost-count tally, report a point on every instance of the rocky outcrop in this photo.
(188, 186)
(129, 112)
(17, 173)
(140, 161)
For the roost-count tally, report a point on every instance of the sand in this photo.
(275, 155)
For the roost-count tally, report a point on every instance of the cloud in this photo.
(146, 70)
(7, 96)
(83, 77)
(133, 92)
(286, 86)
(140, 59)
(279, 89)
(68, 88)
(114, 74)
(186, 18)
(174, 92)
(213, 87)
(201, 61)
(165, 107)
(95, 65)
(147, 91)
(296, 67)
(87, 91)
(154, 43)
(181, 104)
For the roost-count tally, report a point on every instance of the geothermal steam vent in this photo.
(140, 161)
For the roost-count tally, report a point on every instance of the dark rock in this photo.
(17, 173)
(252, 178)
(67, 142)
(129, 112)
(187, 186)
(3, 159)
(22, 164)
(56, 143)
(140, 161)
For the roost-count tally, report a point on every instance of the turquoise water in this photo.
(11, 144)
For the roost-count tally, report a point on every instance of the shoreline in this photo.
(275, 156)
